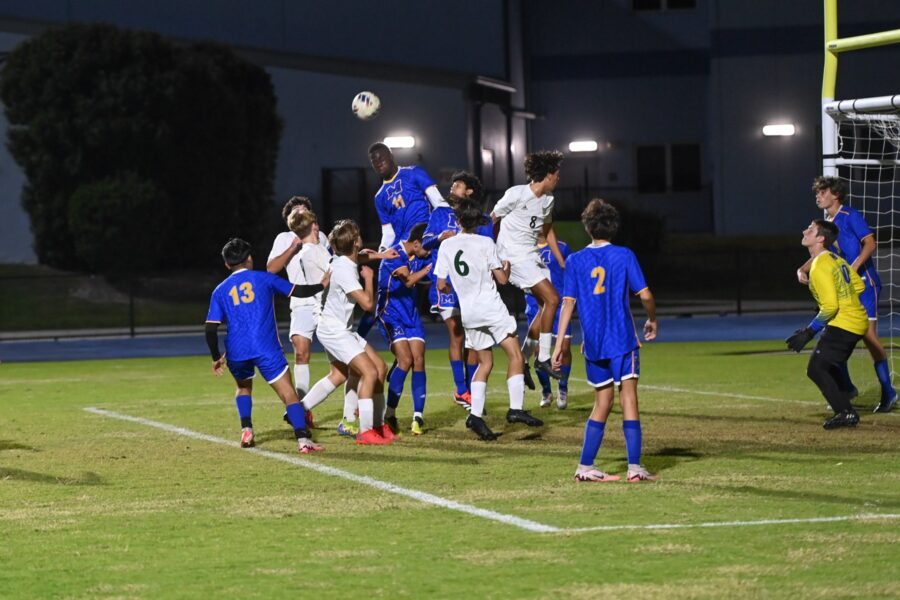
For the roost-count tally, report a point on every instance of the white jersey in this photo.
(314, 259)
(337, 305)
(467, 259)
(293, 267)
(523, 216)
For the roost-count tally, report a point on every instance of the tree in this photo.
(95, 109)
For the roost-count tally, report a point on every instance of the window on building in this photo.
(651, 169)
(662, 168)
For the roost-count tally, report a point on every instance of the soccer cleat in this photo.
(594, 475)
(886, 404)
(640, 474)
(247, 440)
(562, 400)
(370, 437)
(526, 373)
(845, 418)
(480, 428)
(307, 446)
(392, 423)
(387, 432)
(543, 366)
(546, 399)
(348, 428)
(522, 416)
(464, 400)
(418, 426)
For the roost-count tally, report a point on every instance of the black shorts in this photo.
(836, 345)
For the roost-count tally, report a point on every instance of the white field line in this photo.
(326, 470)
(427, 498)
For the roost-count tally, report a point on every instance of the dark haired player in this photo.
(525, 211)
(599, 278)
(245, 302)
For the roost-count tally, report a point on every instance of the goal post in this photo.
(861, 146)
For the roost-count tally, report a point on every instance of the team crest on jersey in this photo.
(394, 193)
(451, 222)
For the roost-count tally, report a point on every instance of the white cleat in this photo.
(562, 400)
(546, 399)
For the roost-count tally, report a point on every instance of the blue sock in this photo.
(593, 437)
(297, 416)
(418, 391)
(244, 408)
(459, 376)
(564, 382)
(632, 431)
(545, 382)
(884, 376)
(395, 386)
(365, 324)
(470, 371)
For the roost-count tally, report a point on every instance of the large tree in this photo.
(189, 132)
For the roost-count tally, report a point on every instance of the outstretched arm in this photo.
(280, 262)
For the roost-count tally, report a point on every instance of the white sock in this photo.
(516, 386)
(528, 348)
(301, 380)
(378, 405)
(366, 410)
(544, 346)
(351, 404)
(479, 390)
(321, 390)
(417, 414)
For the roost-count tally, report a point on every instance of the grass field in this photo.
(94, 506)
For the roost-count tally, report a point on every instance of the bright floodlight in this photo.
(400, 141)
(783, 129)
(583, 146)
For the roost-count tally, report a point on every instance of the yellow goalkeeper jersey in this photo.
(836, 288)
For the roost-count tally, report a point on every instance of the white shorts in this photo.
(303, 321)
(446, 313)
(341, 345)
(488, 336)
(527, 273)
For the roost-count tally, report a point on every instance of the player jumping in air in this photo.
(856, 244)
(471, 260)
(524, 212)
(836, 287)
(398, 319)
(245, 302)
(599, 279)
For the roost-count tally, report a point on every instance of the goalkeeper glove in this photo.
(800, 339)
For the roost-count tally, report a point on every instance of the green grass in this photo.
(96, 507)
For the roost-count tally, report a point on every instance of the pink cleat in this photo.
(594, 475)
(247, 437)
(370, 437)
(640, 474)
(307, 446)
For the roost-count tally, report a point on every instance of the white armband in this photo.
(387, 237)
(434, 196)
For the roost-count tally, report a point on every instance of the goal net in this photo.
(866, 158)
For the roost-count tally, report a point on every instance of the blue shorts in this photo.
(396, 331)
(869, 298)
(271, 366)
(603, 372)
(531, 311)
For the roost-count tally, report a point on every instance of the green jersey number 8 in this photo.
(461, 267)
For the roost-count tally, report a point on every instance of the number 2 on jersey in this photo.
(599, 273)
(247, 296)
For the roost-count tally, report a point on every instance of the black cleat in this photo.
(845, 418)
(543, 366)
(480, 428)
(392, 423)
(526, 373)
(521, 416)
(887, 404)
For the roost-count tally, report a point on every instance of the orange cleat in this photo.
(370, 437)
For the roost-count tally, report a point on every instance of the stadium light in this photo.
(400, 141)
(778, 130)
(583, 146)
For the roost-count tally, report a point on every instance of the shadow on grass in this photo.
(11, 445)
(804, 496)
(20, 475)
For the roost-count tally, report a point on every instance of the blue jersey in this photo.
(245, 301)
(396, 302)
(600, 278)
(444, 219)
(852, 229)
(557, 275)
(401, 200)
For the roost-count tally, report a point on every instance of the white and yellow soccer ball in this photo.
(365, 105)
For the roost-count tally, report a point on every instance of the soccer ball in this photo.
(365, 105)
